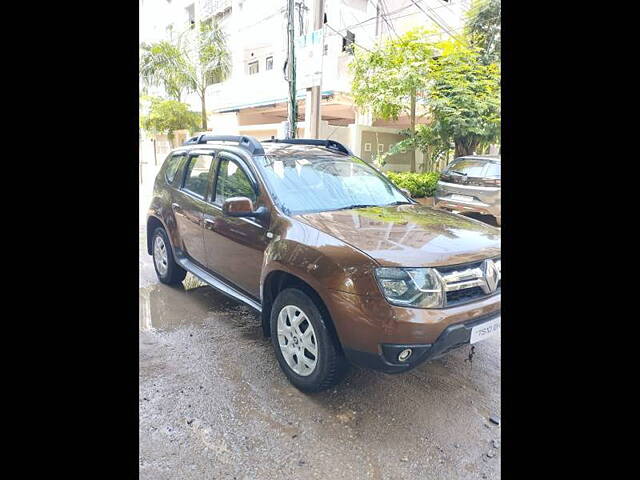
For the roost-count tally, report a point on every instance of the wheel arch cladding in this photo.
(152, 224)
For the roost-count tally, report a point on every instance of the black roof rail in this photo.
(250, 143)
(330, 144)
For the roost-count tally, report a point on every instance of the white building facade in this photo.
(253, 100)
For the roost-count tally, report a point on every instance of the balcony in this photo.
(207, 8)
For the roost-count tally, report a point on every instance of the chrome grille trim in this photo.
(486, 275)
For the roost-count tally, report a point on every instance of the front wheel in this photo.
(306, 349)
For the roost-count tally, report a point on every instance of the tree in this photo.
(483, 27)
(464, 97)
(167, 116)
(393, 78)
(159, 67)
(199, 57)
(434, 143)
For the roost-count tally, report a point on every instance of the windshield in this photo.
(467, 166)
(317, 184)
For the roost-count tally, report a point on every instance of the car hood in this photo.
(409, 235)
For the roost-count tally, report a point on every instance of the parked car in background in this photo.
(471, 184)
(339, 262)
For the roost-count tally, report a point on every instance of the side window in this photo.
(232, 182)
(197, 174)
(172, 167)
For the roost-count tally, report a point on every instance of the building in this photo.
(253, 100)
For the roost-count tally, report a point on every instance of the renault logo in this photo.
(491, 276)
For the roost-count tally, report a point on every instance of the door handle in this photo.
(176, 206)
(209, 221)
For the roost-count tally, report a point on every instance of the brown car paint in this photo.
(335, 253)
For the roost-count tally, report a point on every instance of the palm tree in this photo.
(198, 58)
(159, 66)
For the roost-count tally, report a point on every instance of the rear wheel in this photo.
(167, 269)
(305, 348)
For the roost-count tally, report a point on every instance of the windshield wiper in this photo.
(398, 202)
(459, 173)
(348, 207)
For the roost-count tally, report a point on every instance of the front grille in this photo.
(463, 296)
(471, 281)
(454, 268)
(467, 295)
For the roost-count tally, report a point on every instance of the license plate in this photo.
(461, 198)
(485, 330)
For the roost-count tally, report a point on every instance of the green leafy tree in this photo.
(167, 116)
(198, 58)
(434, 143)
(162, 64)
(392, 79)
(483, 27)
(464, 97)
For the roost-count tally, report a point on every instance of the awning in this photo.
(300, 94)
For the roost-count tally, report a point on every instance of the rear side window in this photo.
(468, 166)
(197, 175)
(172, 167)
(232, 182)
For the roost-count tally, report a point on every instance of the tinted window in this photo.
(493, 170)
(317, 184)
(172, 167)
(197, 174)
(232, 182)
(469, 166)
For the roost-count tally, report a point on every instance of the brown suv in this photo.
(340, 263)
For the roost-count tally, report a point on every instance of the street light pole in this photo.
(292, 110)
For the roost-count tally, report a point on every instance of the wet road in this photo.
(214, 403)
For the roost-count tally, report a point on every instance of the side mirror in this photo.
(241, 207)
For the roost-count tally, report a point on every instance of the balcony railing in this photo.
(212, 7)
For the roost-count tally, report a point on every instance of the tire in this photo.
(330, 364)
(169, 272)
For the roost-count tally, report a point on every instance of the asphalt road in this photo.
(214, 403)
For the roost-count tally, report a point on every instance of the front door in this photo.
(234, 246)
(189, 202)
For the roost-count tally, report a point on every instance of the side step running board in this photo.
(217, 283)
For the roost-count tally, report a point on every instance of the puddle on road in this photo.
(165, 308)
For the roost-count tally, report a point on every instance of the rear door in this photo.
(235, 246)
(189, 202)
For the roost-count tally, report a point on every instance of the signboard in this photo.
(309, 49)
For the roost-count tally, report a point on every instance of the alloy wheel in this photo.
(297, 340)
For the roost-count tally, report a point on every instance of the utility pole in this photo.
(292, 108)
(412, 157)
(312, 101)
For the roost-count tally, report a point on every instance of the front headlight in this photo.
(411, 287)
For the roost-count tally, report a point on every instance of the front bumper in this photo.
(364, 322)
(385, 360)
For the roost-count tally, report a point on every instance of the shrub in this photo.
(418, 184)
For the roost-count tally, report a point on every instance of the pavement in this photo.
(215, 404)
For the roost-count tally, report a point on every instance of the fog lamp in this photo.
(405, 354)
